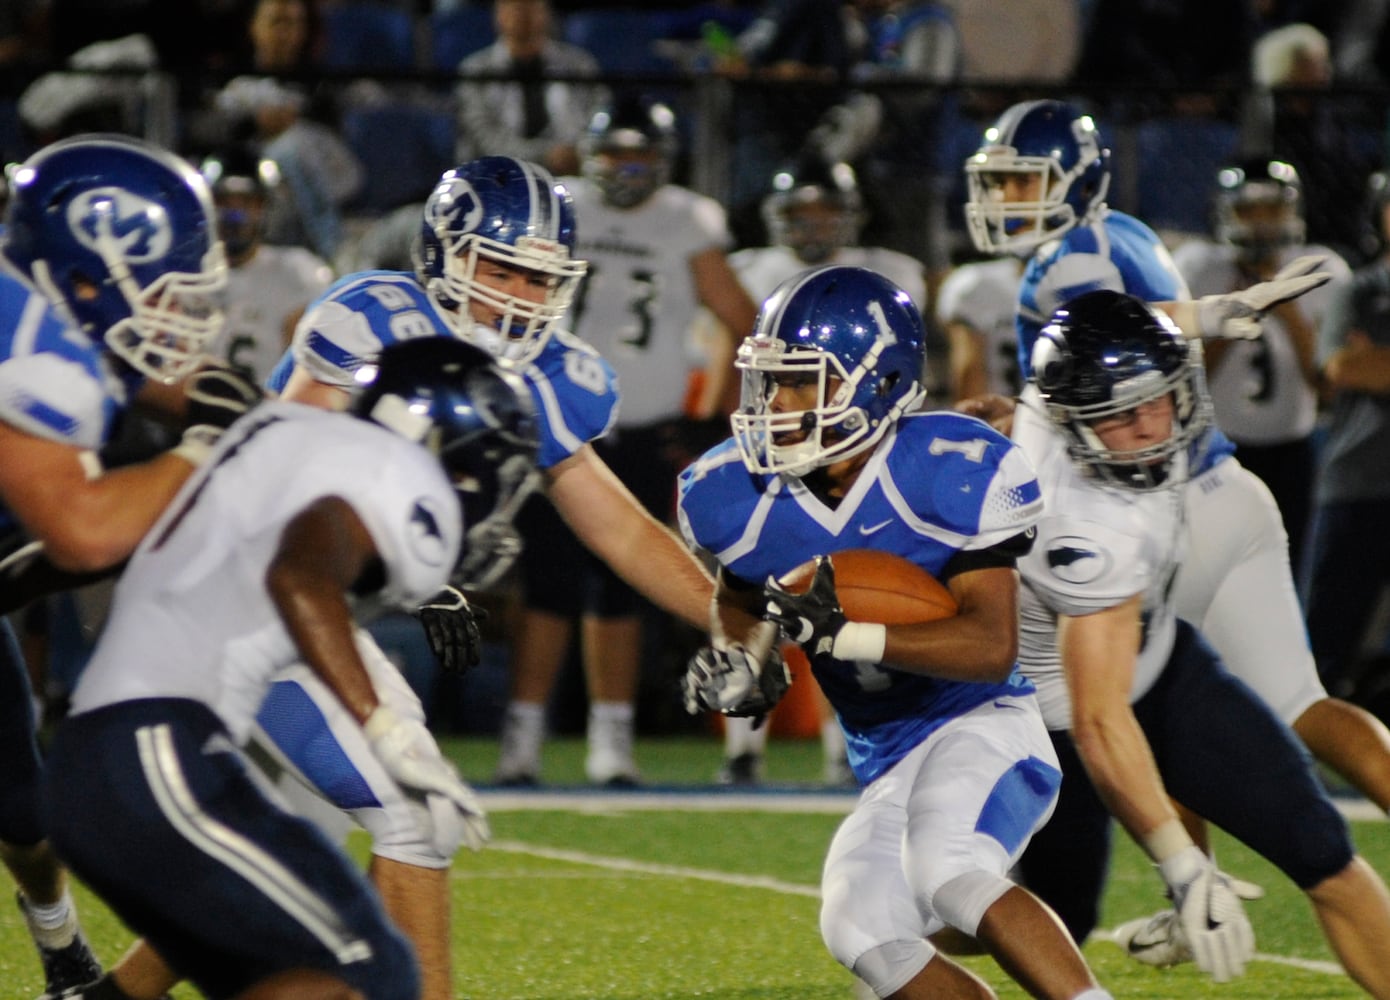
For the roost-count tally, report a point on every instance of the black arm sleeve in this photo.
(1004, 555)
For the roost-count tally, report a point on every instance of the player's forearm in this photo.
(612, 524)
(1121, 766)
(655, 563)
(978, 643)
(965, 648)
(97, 523)
(321, 624)
(323, 551)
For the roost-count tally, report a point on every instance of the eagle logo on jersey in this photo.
(1076, 560)
(111, 218)
(424, 534)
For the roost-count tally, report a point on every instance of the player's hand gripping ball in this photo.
(874, 586)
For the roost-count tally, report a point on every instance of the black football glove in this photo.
(811, 620)
(451, 628)
(217, 397)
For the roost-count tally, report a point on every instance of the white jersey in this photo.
(984, 296)
(274, 285)
(192, 618)
(1257, 387)
(1097, 546)
(638, 304)
(762, 269)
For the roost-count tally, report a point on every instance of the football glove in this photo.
(730, 680)
(218, 397)
(451, 629)
(410, 755)
(811, 620)
(1210, 913)
(1238, 315)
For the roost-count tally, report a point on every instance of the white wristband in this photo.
(860, 642)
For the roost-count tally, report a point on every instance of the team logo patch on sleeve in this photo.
(424, 534)
(1076, 560)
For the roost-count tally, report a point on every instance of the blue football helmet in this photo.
(853, 334)
(500, 210)
(123, 235)
(478, 420)
(1047, 140)
(1105, 353)
(629, 149)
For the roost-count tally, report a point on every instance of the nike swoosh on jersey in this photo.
(869, 529)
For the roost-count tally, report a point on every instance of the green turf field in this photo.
(646, 896)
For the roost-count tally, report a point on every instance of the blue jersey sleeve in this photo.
(964, 479)
(1116, 252)
(352, 321)
(55, 383)
(576, 396)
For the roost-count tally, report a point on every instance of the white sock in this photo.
(618, 712)
(832, 740)
(53, 924)
(530, 714)
(740, 737)
(523, 732)
(1094, 994)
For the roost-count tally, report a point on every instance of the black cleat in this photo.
(66, 967)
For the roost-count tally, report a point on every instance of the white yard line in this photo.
(602, 802)
(646, 868)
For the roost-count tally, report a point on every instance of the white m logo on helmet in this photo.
(458, 198)
(110, 216)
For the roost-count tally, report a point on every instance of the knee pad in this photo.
(963, 900)
(887, 968)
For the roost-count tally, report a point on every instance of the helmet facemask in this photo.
(492, 542)
(173, 321)
(525, 326)
(1019, 227)
(835, 428)
(627, 175)
(1158, 466)
(1260, 217)
(813, 224)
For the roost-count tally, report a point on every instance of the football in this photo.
(880, 587)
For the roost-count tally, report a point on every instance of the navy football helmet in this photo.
(1105, 353)
(629, 149)
(241, 182)
(478, 420)
(123, 235)
(498, 209)
(1047, 140)
(814, 209)
(858, 338)
(1259, 207)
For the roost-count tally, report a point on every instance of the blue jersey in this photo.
(575, 390)
(1113, 251)
(941, 484)
(55, 383)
